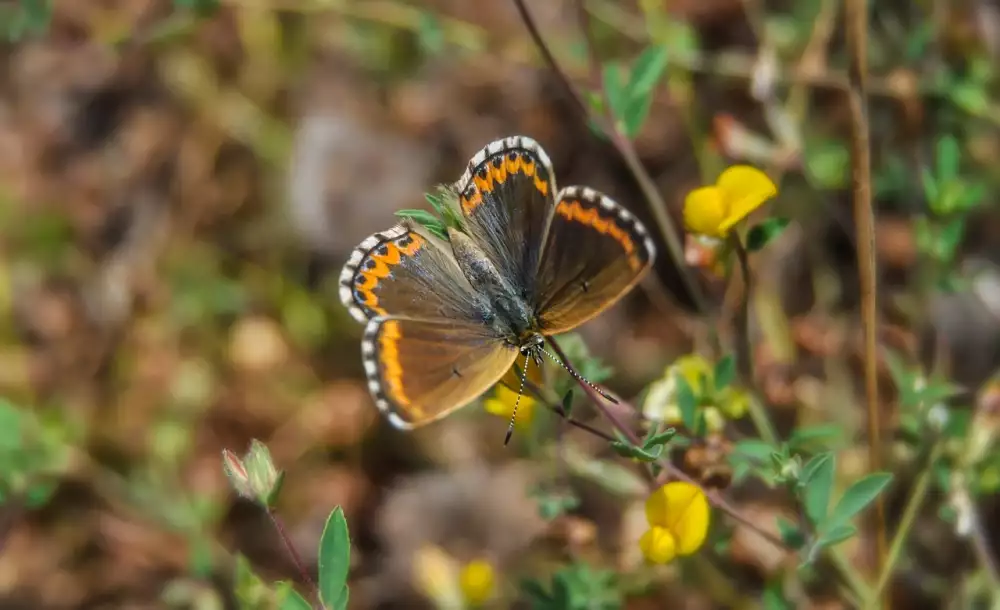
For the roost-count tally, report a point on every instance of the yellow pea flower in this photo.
(436, 576)
(661, 400)
(678, 516)
(501, 403)
(477, 582)
(714, 210)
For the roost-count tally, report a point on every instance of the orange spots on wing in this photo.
(512, 166)
(575, 212)
(499, 173)
(378, 266)
(471, 203)
(488, 177)
(542, 185)
(484, 184)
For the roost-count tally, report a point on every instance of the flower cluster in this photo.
(718, 404)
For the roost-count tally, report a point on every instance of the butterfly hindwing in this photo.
(595, 251)
(421, 370)
(506, 200)
(405, 270)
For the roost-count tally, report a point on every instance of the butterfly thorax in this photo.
(503, 308)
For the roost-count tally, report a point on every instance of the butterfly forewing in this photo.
(407, 271)
(595, 251)
(506, 199)
(421, 370)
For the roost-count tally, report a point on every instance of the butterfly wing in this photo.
(421, 370)
(407, 271)
(506, 200)
(595, 251)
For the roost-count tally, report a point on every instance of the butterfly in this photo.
(445, 319)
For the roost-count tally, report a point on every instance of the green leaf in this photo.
(635, 114)
(429, 33)
(755, 449)
(425, 218)
(948, 157)
(821, 434)
(567, 403)
(687, 402)
(647, 70)
(341, 603)
(334, 557)
(931, 191)
(790, 533)
(658, 439)
(817, 486)
(949, 238)
(436, 201)
(646, 73)
(292, 600)
(625, 448)
(857, 497)
(773, 597)
(764, 232)
(724, 373)
(614, 89)
(836, 535)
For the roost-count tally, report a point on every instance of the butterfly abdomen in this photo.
(509, 312)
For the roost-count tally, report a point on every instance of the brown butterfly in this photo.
(446, 318)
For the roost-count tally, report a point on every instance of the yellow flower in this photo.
(714, 210)
(477, 582)
(661, 400)
(734, 403)
(678, 517)
(501, 403)
(436, 576)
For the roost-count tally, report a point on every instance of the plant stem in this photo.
(913, 504)
(279, 527)
(744, 351)
(621, 143)
(714, 497)
(856, 19)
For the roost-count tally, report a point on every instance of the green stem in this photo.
(916, 500)
(744, 353)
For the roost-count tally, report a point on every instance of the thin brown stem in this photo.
(293, 554)
(714, 497)
(856, 19)
(622, 144)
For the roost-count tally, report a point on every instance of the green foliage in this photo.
(443, 203)
(631, 98)
(23, 18)
(765, 232)
(652, 446)
(334, 561)
(32, 454)
(575, 587)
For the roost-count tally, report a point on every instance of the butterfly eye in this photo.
(404, 241)
(382, 249)
(481, 173)
(512, 157)
(497, 161)
(370, 264)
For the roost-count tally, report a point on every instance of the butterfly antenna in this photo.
(517, 401)
(579, 377)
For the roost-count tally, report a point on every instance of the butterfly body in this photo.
(446, 318)
(503, 309)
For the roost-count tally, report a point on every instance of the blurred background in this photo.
(181, 181)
